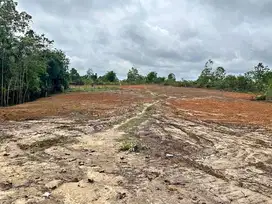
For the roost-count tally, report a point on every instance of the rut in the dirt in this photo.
(212, 162)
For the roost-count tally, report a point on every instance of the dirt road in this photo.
(141, 144)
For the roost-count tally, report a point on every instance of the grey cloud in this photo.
(165, 36)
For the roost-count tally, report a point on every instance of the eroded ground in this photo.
(141, 144)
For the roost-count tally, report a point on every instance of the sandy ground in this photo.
(142, 144)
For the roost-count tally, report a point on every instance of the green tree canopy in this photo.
(171, 77)
(151, 77)
(110, 76)
(29, 65)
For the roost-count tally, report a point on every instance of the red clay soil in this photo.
(214, 105)
(223, 111)
(204, 104)
(100, 104)
(189, 92)
(239, 95)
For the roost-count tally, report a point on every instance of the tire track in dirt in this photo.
(105, 170)
(219, 154)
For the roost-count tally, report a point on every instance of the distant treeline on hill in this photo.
(258, 80)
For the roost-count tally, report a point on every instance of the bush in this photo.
(130, 146)
(260, 97)
(269, 94)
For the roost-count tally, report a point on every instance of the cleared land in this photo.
(139, 144)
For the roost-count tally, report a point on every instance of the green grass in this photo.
(92, 89)
(129, 145)
(134, 123)
(269, 94)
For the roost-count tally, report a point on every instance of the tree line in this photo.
(133, 77)
(257, 80)
(30, 67)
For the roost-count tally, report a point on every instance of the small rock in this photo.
(98, 169)
(169, 155)
(72, 159)
(152, 175)
(121, 196)
(119, 182)
(101, 171)
(63, 171)
(46, 195)
(194, 198)
(90, 180)
(53, 184)
(88, 150)
(74, 179)
(6, 154)
(122, 158)
(4, 186)
(81, 184)
(81, 163)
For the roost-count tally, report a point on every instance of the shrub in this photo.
(260, 97)
(269, 91)
(130, 146)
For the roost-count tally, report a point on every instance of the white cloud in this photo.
(156, 35)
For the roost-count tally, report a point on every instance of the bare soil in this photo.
(140, 144)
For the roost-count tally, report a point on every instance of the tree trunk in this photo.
(2, 79)
(25, 93)
(9, 85)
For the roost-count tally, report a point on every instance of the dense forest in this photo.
(30, 67)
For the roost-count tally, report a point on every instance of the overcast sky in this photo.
(176, 36)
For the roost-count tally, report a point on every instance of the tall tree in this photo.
(110, 76)
(219, 73)
(27, 61)
(151, 77)
(260, 75)
(133, 75)
(171, 77)
(206, 76)
(89, 73)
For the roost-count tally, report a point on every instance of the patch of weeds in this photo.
(44, 144)
(93, 89)
(130, 146)
(260, 97)
(132, 124)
